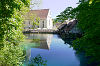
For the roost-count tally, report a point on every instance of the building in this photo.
(69, 27)
(72, 27)
(45, 21)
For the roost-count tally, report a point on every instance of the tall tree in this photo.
(11, 20)
(11, 13)
(88, 15)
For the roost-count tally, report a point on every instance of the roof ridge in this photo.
(42, 13)
(39, 9)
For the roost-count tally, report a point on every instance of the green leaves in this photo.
(88, 16)
(11, 55)
(11, 20)
(38, 61)
(89, 21)
(66, 14)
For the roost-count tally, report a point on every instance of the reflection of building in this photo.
(42, 40)
(28, 55)
(45, 21)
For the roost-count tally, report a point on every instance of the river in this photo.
(52, 51)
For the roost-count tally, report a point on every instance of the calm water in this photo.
(52, 49)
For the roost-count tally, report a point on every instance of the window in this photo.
(49, 22)
(29, 27)
(24, 22)
(38, 26)
(43, 24)
(29, 22)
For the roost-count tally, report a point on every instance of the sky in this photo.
(57, 6)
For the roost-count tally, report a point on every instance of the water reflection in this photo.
(37, 61)
(53, 49)
(41, 41)
(65, 39)
(83, 60)
(80, 56)
(44, 40)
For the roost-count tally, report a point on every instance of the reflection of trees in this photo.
(65, 38)
(42, 40)
(34, 61)
(37, 61)
(80, 56)
(36, 40)
(84, 60)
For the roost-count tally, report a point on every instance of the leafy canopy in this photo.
(11, 19)
(88, 15)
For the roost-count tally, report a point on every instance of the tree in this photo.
(11, 20)
(89, 22)
(88, 15)
(66, 14)
(36, 4)
(33, 18)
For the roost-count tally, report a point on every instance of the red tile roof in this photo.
(40, 13)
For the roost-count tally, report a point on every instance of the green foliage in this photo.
(11, 55)
(55, 21)
(38, 61)
(36, 4)
(89, 22)
(66, 14)
(35, 20)
(88, 16)
(11, 22)
(11, 19)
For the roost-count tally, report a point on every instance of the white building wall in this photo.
(45, 23)
(48, 23)
(42, 24)
(28, 24)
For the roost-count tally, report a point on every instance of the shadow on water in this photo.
(84, 61)
(49, 48)
(66, 40)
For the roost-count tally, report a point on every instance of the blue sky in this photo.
(57, 6)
